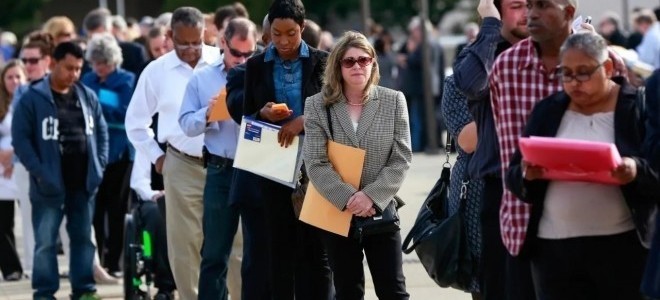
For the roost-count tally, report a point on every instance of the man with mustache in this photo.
(504, 24)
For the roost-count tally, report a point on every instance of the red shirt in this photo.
(518, 81)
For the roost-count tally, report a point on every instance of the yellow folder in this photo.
(317, 210)
(219, 111)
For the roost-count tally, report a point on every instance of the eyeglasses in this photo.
(236, 53)
(349, 62)
(580, 77)
(186, 46)
(31, 60)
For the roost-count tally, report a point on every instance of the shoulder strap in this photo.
(327, 112)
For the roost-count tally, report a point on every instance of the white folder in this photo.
(259, 152)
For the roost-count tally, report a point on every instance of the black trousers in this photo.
(503, 276)
(384, 256)
(9, 261)
(255, 267)
(601, 267)
(153, 217)
(299, 264)
(111, 206)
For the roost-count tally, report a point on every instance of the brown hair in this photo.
(332, 78)
(5, 97)
(42, 41)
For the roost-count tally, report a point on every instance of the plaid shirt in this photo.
(518, 81)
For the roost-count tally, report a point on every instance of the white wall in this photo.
(596, 8)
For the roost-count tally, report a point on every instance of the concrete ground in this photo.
(422, 175)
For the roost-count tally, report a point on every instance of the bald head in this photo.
(265, 28)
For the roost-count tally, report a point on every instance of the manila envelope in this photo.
(318, 211)
(219, 111)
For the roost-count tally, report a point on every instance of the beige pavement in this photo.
(421, 177)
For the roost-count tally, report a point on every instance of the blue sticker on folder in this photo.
(252, 132)
(109, 98)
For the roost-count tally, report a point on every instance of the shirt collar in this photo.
(209, 56)
(529, 60)
(271, 52)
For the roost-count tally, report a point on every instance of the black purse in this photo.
(440, 239)
(383, 221)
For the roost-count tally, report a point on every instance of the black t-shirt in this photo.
(72, 137)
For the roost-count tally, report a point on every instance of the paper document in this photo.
(219, 111)
(259, 152)
(317, 210)
(108, 98)
(572, 160)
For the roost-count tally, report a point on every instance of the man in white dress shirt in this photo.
(160, 89)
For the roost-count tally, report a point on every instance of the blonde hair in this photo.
(332, 77)
(59, 24)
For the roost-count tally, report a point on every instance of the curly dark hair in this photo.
(287, 9)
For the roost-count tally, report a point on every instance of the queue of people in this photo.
(75, 145)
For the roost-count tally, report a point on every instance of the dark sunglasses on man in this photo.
(30, 60)
(236, 53)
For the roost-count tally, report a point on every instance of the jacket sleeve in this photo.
(391, 177)
(472, 65)
(652, 139)
(24, 135)
(101, 128)
(125, 92)
(526, 190)
(236, 92)
(250, 103)
(647, 181)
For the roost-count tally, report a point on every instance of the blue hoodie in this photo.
(35, 140)
(119, 86)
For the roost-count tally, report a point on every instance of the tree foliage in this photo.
(18, 14)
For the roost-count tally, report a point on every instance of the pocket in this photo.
(47, 187)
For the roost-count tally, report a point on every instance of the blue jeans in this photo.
(46, 219)
(220, 223)
(417, 124)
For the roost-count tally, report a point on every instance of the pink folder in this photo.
(572, 160)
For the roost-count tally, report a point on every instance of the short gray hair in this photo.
(241, 27)
(104, 48)
(591, 44)
(98, 18)
(188, 16)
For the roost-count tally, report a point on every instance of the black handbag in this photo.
(440, 239)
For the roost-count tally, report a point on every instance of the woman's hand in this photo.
(268, 113)
(531, 172)
(290, 130)
(626, 171)
(361, 205)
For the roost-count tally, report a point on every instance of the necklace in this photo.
(356, 104)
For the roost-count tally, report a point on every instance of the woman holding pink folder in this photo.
(589, 236)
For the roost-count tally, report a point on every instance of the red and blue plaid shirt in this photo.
(517, 82)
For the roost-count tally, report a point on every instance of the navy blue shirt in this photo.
(471, 70)
(287, 76)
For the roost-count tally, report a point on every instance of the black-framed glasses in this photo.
(579, 77)
(236, 53)
(31, 60)
(349, 62)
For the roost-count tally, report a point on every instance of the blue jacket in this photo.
(119, 84)
(35, 141)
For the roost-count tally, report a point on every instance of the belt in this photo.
(219, 160)
(177, 151)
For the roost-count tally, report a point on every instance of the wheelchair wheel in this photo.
(132, 253)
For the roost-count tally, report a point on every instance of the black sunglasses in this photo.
(236, 53)
(349, 62)
(30, 60)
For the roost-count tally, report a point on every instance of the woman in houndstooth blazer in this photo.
(375, 119)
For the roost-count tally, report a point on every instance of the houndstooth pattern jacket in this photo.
(383, 131)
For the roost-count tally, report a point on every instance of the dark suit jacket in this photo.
(259, 88)
(135, 57)
(640, 194)
(235, 92)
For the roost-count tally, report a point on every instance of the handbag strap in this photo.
(327, 112)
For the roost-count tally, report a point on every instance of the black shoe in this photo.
(15, 276)
(162, 295)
